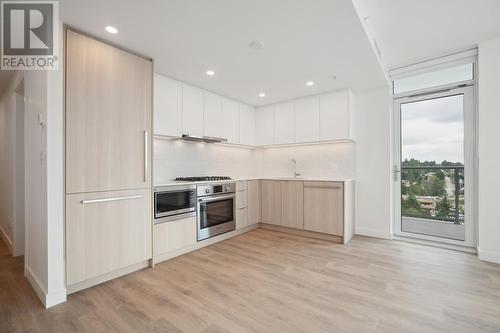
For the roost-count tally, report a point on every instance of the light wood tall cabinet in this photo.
(108, 95)
(324, 207)
(292, 194)
(108, 117)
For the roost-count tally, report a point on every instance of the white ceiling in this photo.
(409, 31)
(304, 40)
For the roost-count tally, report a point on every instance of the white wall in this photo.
(35, 88)
(488, 142)
(44, 260)
(330, 160)
(173, 158)
(371, 130)
(11, 221)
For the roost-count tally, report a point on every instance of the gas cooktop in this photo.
(201, 179)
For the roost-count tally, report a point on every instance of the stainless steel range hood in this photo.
(207, 139)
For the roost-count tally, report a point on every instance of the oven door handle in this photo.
(217, 198)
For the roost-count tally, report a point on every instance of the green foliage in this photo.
(411, 206)
(443, 208)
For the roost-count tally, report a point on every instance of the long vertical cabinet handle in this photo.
(145, 156)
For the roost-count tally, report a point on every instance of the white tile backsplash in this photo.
(173, 158)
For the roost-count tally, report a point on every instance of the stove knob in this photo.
(228, 188)
(207, 191)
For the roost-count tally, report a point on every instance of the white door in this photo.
(434, 169)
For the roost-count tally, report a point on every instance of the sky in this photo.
(433, 130)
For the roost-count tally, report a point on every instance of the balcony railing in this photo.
(426, 192)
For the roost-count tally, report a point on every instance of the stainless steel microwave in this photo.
(174, 202)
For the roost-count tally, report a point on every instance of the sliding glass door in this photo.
(434, 169)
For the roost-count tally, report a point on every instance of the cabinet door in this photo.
(212, 115)
(264, 125)
(167, 109)
(230, 121)
(271, 202)
(254, 202)
(106, 231)
(241, 199)
(108, 117)
(324, 207)
(247, 125)
(241, 218)
(292, 193)
(173, 235)
(284, 123)
(192, 111)
(307, 119)
(334, 115)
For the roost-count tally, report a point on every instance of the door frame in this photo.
(470, 162)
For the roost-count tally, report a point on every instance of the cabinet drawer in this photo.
(241, 185)
(173, 235)
(241, 199)
(106, 231)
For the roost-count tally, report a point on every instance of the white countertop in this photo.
(235, 179)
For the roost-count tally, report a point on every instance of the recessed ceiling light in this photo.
(256, 45)
(262, 95)
(111, 30)
(309, 83)
(210, 72)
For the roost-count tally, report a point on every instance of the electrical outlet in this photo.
(41, 119)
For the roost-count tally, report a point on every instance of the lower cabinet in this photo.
(324, 207)
(254, 202)
(241, 218)
(106, 231)
(271, 202)
(292, 195)
(173, 235)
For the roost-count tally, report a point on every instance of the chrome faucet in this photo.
(295, 173)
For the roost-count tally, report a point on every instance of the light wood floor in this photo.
(266, 281)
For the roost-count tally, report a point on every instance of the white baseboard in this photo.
(48, 299)
(36, 284)
(6, 238)
(55, 297)
(372, 233)
(106, 277)
(493, 257)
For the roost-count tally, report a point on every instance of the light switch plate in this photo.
(41, 119)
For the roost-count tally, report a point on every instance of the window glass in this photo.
(434, 79)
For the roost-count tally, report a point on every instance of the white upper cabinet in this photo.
(212, 115)
(192, 111)
(167, 106)
(247, 125)
(307, 119)
(264, 125)
(230, 121)
(334, 115)
(284, 123)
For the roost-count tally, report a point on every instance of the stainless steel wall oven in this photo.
(216, 209)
